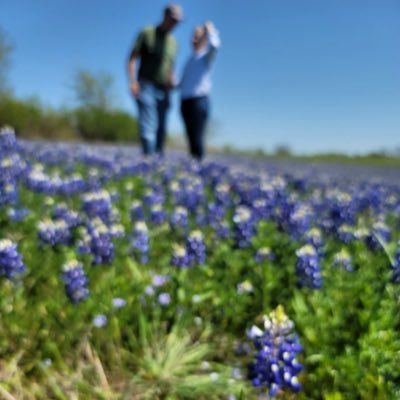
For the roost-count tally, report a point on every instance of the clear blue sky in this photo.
(317, 75)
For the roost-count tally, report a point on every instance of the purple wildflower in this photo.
(11, 264)
(75, 281)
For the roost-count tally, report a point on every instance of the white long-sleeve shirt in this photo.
(196, 78)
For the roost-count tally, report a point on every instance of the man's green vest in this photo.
(157, 51)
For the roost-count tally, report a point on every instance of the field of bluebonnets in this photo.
(130, 278)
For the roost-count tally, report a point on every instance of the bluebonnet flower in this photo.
(83, 244)
(244, 227)
(275, 366)
(157, 214)
(195, 248)
(97, 204)
(71, 185)
(11, 264)
(54, 232)
(308, 268)
(16, 215)
(245, 287)
(379, 230)
(261, 209)
(299, 219)
(100, 320)
(38, 181)
(159, 280)
(164, 299)
(187, 192)
(179, 218)
(346, 233)
(223, 193)
(70, 217)
(99, 242)
(75, 281)
(152, 197)
(140, 241)
(343, 259)
(341, 209)
(8, 142)
(118, 302)
(215, 213)
(117, 231)
(8, 192)
(263, 253)
(137, 212)
(149, 290)
(222, 230)
(314, 237)
(180, 257)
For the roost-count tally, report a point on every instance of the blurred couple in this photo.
(151, 73)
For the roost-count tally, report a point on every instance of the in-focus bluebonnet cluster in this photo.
(96, 239)
(11, 264)
(308, 269)
(54, 232)
(97, 204)
(75, 281)
(275, 366)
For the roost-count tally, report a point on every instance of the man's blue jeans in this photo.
(153, 103)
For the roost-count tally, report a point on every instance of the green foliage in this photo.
(31, 120)
(93, 123)
(93, 91)
(49, 348)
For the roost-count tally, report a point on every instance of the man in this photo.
(155, 47)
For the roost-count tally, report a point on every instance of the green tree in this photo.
(93, 90)
(97, 117)
(5, 53)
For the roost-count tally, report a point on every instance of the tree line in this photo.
(95, 117)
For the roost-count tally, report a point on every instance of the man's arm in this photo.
(134, 86)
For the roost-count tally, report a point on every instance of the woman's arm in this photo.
(213, 39)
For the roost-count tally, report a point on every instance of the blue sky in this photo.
(316, 75)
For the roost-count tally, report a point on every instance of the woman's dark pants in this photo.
(195, 112)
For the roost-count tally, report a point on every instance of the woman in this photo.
(195, 86)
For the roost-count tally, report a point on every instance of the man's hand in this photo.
(135, 88)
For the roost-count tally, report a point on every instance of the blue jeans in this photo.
(195, 112)
(153, 103)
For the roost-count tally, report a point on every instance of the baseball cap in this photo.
(174, 11)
